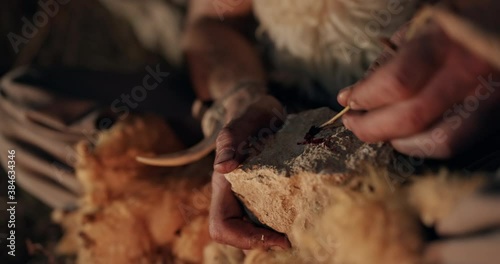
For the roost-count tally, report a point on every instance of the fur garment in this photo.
(332, 41)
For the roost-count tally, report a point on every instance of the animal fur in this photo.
(157, 24)
(133, 213)
(446, 189)
(332, 40)
(369, 223)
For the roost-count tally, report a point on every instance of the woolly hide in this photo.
(333, 41)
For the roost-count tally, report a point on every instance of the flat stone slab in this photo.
(288, 178)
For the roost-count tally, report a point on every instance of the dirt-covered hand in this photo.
(228, 224)
(234, 142)
(434, 98)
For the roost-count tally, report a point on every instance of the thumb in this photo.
(235, 140)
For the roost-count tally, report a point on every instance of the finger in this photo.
(460, 128)
(450, 86)
(404, 75)
(399, 38)
(223, 204)
(261, 119)
(244, 235)
(432, 143)
(227, 225)
(343, 96)
(472, 214)
(477, 250)
(450, 136)
(390, 48)
(387, 54)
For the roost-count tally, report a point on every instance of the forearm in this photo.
(219, 59)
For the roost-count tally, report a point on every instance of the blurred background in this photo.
(108, 36)
(36, 235)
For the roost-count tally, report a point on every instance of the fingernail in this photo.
(224, 155)
(343, 96)
(346, 122)
(354, 105)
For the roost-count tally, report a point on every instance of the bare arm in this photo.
(220, 60)
(219, 57)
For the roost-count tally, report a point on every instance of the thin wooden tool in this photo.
(392, 49)
(336, 117)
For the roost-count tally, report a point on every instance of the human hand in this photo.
(433, 99)
(471, 230)
(228, 224)
(244, 130)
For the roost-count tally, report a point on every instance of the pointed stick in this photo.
(336, 117)
(391, 48)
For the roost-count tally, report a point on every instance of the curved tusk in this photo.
(184, 157)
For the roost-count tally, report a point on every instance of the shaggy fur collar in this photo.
(334, 39)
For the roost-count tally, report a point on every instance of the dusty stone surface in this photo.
(287, 179)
